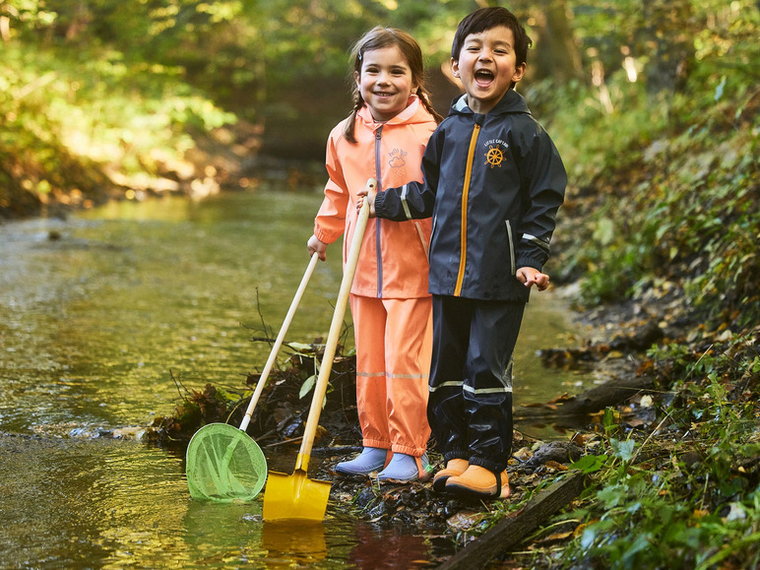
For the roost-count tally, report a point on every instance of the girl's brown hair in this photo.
(378, 38)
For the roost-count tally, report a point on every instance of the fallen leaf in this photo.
(523, 454)
(559, 536)
(563, 398)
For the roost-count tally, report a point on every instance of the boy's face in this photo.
(487, 66)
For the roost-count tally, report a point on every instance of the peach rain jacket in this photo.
(390, 302)
(393, 260)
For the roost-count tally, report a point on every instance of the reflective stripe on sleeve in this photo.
(537, 241)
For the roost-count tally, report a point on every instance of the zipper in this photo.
(465, 197)
(511, 248)
(378, 177)
(432, 233)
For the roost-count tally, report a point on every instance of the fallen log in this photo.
(512, 530)
(611, 393)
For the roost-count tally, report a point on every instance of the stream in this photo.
(99, 312)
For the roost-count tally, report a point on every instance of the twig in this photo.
(651, 434)
(34, 85)
(234, 408)
(283, 442)
(177, 384)
(264, 326)
(699, 360)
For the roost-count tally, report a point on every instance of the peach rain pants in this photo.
(393, 351)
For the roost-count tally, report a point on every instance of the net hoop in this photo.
(223, 464)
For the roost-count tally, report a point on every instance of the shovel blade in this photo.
(295, 497)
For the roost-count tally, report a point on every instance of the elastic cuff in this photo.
(366, 442)
(529, 262)
(379, 200)
(493, 466)
(449, 455)
(325, 237)
(408, 450)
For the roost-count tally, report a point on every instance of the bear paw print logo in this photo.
(494, 156)
(396, 158)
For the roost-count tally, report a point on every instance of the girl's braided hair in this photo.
(378, 38)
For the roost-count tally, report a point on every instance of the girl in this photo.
(384, 137)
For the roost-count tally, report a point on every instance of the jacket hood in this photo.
(512, 102)
(414, 113)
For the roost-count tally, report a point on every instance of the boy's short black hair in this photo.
(487, 18)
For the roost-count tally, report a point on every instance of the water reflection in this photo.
(289, 542)
(223, 533)
(377, 548)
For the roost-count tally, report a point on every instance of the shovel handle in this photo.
(320, 388)
(278, 342)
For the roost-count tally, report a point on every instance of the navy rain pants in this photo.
(470, 404)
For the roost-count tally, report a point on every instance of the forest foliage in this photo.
(652, 103)
(652, 100)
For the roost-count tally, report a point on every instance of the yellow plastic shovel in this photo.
(296, 496)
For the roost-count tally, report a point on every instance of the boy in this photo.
(493, 184)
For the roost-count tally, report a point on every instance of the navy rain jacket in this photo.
(493, 184)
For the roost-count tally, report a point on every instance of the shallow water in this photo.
(99, 311)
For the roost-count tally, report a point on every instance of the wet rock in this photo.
(378, 511)
(641, 339)
(451, 508)
(691, 459)
(364, 498)
(465, 520)
(407, 498)
(557, 451)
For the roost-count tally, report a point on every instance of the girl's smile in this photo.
(385, 82)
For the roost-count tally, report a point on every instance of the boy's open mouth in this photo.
(484, 77)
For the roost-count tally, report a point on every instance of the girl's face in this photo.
(385, 82)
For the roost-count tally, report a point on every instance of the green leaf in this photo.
(605, 231)
(300, 346)
(719, 89)
(623, 449)
(307, 385)
(589, 463)
(608, 419)
(588, 537)
(612, 495)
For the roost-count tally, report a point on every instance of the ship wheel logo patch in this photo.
(494, 156)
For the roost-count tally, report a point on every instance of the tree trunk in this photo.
(668, 41)
(556, 52)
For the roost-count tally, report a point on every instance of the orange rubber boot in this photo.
(479, 483)
(453, 468)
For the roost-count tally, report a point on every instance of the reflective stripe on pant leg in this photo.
(488, 384)
(369, 332)
(446, 414)
(408, 344)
